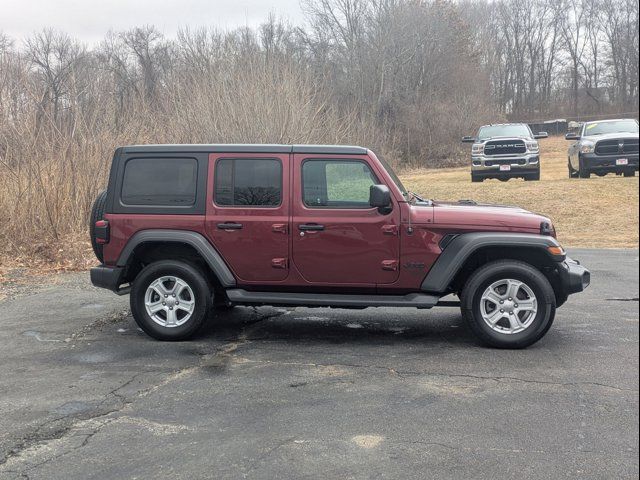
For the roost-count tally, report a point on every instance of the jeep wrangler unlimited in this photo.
(188, 228)
(505, 151)
(607, 146)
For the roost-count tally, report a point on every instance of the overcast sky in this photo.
(89, 20)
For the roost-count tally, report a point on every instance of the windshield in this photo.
(618, 126)
(490, 131)
(393, 175)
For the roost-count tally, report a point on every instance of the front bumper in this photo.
(608, 162)
(109, 278)
(520, 172)
(488, 165)
(574, 277)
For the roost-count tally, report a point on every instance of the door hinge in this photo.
(390, 265)
(391, 230)
(280, 263)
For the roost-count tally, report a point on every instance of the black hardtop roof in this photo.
(247, 148)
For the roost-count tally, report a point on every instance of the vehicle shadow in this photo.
(323, 326)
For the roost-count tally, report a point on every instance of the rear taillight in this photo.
(101, 232)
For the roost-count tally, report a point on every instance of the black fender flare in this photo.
(193, 239)
(458, 250)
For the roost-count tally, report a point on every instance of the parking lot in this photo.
(276, 393)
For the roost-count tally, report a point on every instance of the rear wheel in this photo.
(508, 304)
(170, 300)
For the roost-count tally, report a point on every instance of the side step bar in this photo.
(415, 300)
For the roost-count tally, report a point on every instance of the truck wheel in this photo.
(476, 179)
(97, 213)
(629, 173)
(170, 300)
(508, 304)
(572, 172)
(584, 171)
(533, 177)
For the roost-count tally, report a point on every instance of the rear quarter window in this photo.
(160, 182)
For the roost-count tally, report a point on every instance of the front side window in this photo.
(248, 182)
(160, 181)
(337, 184)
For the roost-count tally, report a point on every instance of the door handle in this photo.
(311, 227)
(230, 226)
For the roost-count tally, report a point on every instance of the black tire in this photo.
(584, 171)
(476, 179)
(508, 269)
(572, 172)
(203, 298)
(97, 213)
(532, 177)
(629, 173)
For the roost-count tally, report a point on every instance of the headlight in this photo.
(477, 149)
(532, 146)
(587, 147)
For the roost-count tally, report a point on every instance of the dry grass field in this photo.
(601, 212)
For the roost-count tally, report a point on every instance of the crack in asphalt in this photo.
(71, 421)
(407, 373)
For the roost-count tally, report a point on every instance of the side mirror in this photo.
(572, 136)
(541, 135)
(468, 140)
(380, 198)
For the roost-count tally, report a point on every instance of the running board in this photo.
(415, 300)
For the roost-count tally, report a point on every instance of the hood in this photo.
(469, 214)
(505, 139)
(611, 136)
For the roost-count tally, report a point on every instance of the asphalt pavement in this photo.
(315, 393)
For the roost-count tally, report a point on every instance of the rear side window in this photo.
(248, 182)
(160, 181)
(337, 184)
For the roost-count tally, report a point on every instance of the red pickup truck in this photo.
(187, 229)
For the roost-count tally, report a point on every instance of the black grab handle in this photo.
(230, 226)
(311, 227)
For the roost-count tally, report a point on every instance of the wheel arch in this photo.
(153, 245)
(466, 252)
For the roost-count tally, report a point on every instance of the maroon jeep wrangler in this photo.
(187, 229)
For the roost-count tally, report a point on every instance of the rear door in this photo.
(337, 237)
(248, 214)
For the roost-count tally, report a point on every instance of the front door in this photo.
(248, 214)
(337, 237)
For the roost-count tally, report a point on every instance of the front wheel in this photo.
(532, 177)
(629, 173)
(170, 300)
(583, 172)
(572, 172)
(508, 304)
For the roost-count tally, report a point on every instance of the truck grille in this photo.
(505, 161)
(505, 147)
(613, 147)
